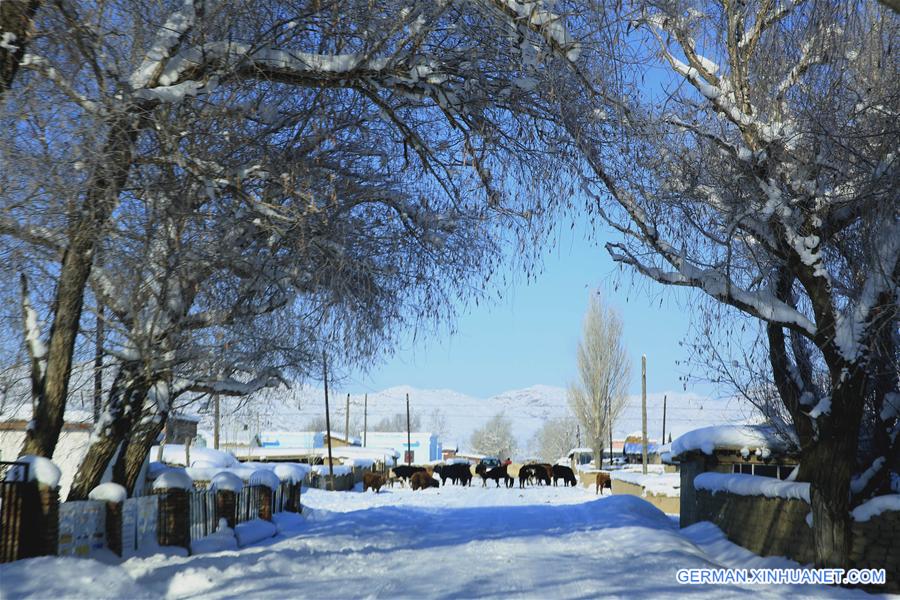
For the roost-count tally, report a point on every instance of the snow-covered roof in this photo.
(580, 451)
(762, 438)
(638, 447)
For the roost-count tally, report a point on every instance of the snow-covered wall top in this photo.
(226, 481)
(876, 506)
(338, 469)
(730, 437)
(751, 485)
(173, 479)
(40, 469)
(664, 484)
(266, 478)
(291, 473)
(108, 492)
(175, 454)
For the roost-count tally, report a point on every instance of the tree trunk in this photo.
(116, 421)
(831, 463)
(828, 464)
(136, 447)
(597, 449)
(16, 18)
(103, 190)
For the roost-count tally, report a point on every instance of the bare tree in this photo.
(767, 182)
(405, 130)
(437, 422)
(556, 437)
(495, 438)
(397, 422)
(16, 18)
(598, 396)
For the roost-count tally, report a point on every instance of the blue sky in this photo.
(530, 335)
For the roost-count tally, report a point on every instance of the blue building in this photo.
(424, 446)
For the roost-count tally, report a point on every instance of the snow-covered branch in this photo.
(37, 350)
(43, 66)
(228, 386)
(761, 304)
(169, 36)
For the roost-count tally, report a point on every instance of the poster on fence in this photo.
(139, 525)
(82, 528)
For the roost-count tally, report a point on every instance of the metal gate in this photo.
(248, 503)
(202, 507)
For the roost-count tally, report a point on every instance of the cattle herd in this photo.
(417, 477)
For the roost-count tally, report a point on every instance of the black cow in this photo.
(496, 473)
(404, 472)
(536, 471)
(565, 473)
(457, 473)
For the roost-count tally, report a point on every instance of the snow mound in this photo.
(223, 539)
(291, 473)
(876, 506)
(751, 485)
(226, 480)
(265, 478)
(254, 531)
(40, 469)
(174, 479)
(108, 492)
(731, 437)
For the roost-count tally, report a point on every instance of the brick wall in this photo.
(778, 527)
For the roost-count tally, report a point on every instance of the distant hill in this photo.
(455, 416)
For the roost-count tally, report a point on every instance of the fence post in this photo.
(265, 503)
(114, 527)
(174, 518)
(226, 506)
(47, 533)
(292, 504)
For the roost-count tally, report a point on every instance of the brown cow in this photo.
(422, 480)
(373, 480)
(603, 481)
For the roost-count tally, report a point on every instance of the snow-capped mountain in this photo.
(454, 415)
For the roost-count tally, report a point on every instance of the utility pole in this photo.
(644, 412)
(365, 418)
(663, 438)
(408, 435)
(328, 421)
(217, 421)
(347, 421)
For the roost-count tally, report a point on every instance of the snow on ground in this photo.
(452, 542)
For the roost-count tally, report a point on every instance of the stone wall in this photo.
(765, 526)
(778, 527)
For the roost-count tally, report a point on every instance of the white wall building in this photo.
(425, 446)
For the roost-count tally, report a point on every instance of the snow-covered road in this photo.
(439, 543)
